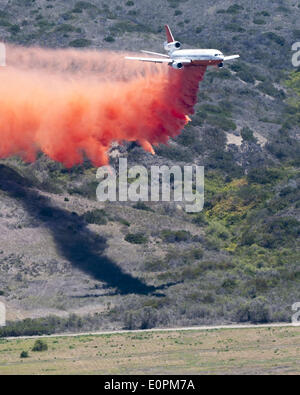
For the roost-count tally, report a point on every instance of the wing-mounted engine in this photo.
(177, 65)
(173, 46)
(180, 63)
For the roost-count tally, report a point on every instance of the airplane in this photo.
(179, 58)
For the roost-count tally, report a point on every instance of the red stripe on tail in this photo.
(170, 37)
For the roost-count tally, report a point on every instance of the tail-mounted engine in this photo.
(173, 46)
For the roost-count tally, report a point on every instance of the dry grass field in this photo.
(228, 351)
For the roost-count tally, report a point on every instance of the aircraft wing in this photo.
(153, 60)
(184, 61)
(155, 53)
(231, 57)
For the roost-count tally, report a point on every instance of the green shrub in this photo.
(199, 219)
(4, 23)
(218, 116)
(14, 29)
(285, 148)
(24, 354)
(220, 159)
(246, 76)
(223, 74)
(296, 33)
(44, 25)
(83, 5)
(234, 27)
(142, 206)
(223, 123)
(123, 221)
(274, 37)
(244, 72)
(40, 346)
(133, 12)
(86, 189)
(136, 238)
(188, 137)
(259, 21)
(212, 137)
(97, 217)
(170, 236)
(247, 135)
(175, 3)
(273, 233)
(229, 284)
(80, 43)
(65, 28)
(67, 16)
(130, 26)
(192, 271)
(263, 176)
(41, 326)
(196, 253)
(234, 9)
(109, 39)
(174, 153)
(219, 230)
(283, 9)
(256, 311)
(269, 89)
(155, 265)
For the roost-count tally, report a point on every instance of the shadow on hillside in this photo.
(75, 242)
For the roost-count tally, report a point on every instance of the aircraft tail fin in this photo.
(169, 34)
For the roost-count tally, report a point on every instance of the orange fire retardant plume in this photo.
(72, 104)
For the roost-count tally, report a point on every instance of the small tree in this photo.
(24, 354)
(136, 238)
(39, 346)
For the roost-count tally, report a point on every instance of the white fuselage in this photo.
(209, 56)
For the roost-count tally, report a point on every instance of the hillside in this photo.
(63, 252)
